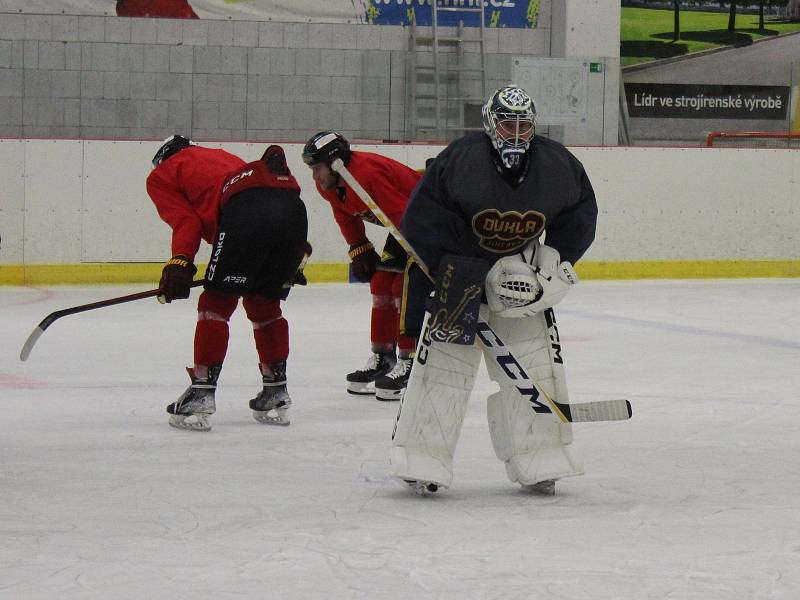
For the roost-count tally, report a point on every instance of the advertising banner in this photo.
(497, 13)
(676, 101)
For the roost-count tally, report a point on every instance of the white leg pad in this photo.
(534, 447)
(432, 411)
(415, 466)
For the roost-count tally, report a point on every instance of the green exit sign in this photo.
(596, 67)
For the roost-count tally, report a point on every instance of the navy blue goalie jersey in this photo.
(466, 205)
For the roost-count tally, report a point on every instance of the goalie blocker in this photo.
(457, 299)
(534, 447)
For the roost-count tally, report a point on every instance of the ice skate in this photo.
(194, 408)
(363, 380)
(422, 488)
(542, 488)
(392, 386)
(272, 404)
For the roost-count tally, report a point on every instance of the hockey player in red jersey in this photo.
(389, 183)
(254, 218)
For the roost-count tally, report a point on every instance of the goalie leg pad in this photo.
(432, 411)
(534, 447)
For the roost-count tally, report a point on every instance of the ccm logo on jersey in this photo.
(507, 231)
(235, 178)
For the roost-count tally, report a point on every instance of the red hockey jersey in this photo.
(257, 175)
(387, 181)
(186, 190)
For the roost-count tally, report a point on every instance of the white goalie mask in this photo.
(509, 119)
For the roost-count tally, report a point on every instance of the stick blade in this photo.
(29, 343)
(601, 410)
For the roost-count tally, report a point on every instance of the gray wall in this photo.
(120, 78)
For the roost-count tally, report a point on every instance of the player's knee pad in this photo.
(432, 411)
(381, 283)
(261, 310)
(270, 329)
(386, 303)
(214, 306)
(533, 446)
(211, 334)
(397, 287)
(383, 320)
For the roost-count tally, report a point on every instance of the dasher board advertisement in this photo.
(497, 13)
(679, 101)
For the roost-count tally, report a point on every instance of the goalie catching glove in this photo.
(176, 279)
(529, 282)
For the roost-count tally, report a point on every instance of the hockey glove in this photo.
(364, 260)
(176, 279)
(525, 284)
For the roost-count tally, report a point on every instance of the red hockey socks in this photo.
(211, 333)
(270, 328)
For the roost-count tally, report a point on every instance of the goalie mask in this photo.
(509, 119)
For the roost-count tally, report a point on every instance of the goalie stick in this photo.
(54, 316)
(598, 410)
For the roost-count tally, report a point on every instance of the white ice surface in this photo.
(696, 497)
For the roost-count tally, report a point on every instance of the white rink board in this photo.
(85, 201)
(694, 203)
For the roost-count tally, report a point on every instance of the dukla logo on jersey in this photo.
(507, 231)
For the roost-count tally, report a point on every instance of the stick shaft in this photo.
(54, 316)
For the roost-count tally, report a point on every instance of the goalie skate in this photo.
(542, 488)
(422, 488)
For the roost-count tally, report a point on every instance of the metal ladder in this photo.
(437, 113)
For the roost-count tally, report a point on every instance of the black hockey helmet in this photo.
(324, 146)
(171, 145)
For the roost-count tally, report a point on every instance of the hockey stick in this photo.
(54, 316)
(599, 410)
